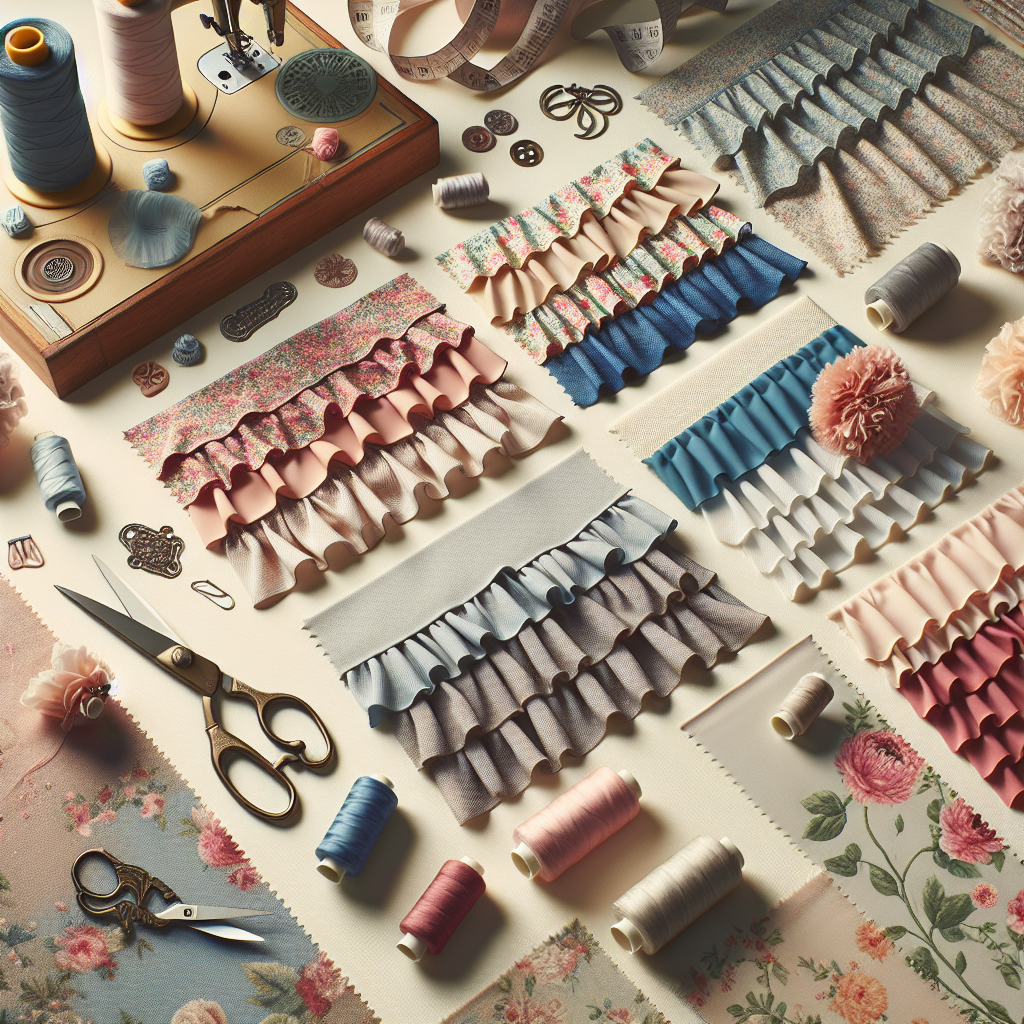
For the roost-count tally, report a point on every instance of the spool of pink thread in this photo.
(573, 824)
(442, 907)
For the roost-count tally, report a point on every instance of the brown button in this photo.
(151, 377)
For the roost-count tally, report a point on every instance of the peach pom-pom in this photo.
(1001, 224)
(1001, 380)
(863, 404)
(325, 143)
(12, 398)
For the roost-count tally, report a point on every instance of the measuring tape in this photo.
(638, 44)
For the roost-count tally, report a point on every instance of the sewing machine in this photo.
(241, 150)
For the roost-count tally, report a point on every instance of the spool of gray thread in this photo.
(913, 286)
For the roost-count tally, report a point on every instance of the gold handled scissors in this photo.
(147, 632)
(140, 884)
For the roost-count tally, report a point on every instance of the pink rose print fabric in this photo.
(569, 979)
(109, 786)
(944, 889)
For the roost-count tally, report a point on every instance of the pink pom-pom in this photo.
(1001, 224)
(863, 404)
(1001, 380)
(325, 143)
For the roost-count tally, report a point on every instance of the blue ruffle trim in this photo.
(391, 681)
(699, 303)
(762, 418)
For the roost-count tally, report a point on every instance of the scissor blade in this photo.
(135, 604)
(191, 912)
(139, 635)
(227, 931)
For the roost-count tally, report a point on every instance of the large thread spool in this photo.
(460, 190)
(442, 908)
(53, 159)
(913, 286)
(802, 706)
(59, 481)
(366, 810)
(676, 893)
(575, 823)
(146, 98)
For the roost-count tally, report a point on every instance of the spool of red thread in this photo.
(442, 907)
(575, 823)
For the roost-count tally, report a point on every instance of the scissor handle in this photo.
(262, 701)
(223, 743)
(131, 879)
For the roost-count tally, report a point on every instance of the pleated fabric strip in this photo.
(635, 342)
(268, 535)
(849, 121)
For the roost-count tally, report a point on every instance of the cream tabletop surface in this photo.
(685, 793)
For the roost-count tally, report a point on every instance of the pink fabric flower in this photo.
(152, 806)
(245, 877)
(216, 847)
(319, 984)
(1015, 913)
(200, 1011)
(12, 398)
(863, 404)
(879, 767)
(1001, 378)
(984, 896)
(83, 948)
(1001, 224)
(73, 674)
(965, 836)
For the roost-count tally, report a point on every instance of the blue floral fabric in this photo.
(762, 418)
(699, 303)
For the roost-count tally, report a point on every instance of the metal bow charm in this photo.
(591, 107)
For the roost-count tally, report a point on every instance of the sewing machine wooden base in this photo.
(244, 152)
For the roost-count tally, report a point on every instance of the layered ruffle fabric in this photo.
(955, 578)
(634, 343)
(1005, 14)
(759, 420)
(551, 690)
(583, 226)
(567, 315)
(806, 514)
(269, 530)
(861, 114)
(974, 696)
(391, 680)
(358, 337)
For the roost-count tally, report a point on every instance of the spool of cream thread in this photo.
(460, 191)
(412, 945)
(802, 706)
(911, 287)
(383, 237)
(676, 893)
(575, 823)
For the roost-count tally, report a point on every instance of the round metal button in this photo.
(526, 153)
(501, 122)
(478, 139)
(58, 269)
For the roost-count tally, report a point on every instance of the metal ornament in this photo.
(248, 319)
(158, 553)
(291, 136)
(478, 139)
(24, 553)
(335, 271)
(501, 122)
(526, 153)
(151, 378)
(326, 86)
(590, 107)
(209, 590)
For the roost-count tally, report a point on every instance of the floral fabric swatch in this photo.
(814, 959)
(860, 801)
(569, 979)
(110, 787)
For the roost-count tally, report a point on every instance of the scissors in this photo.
(147, 632)
(139, 883)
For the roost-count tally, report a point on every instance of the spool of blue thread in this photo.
(346, 848)
(59, 481)
(45, 123)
